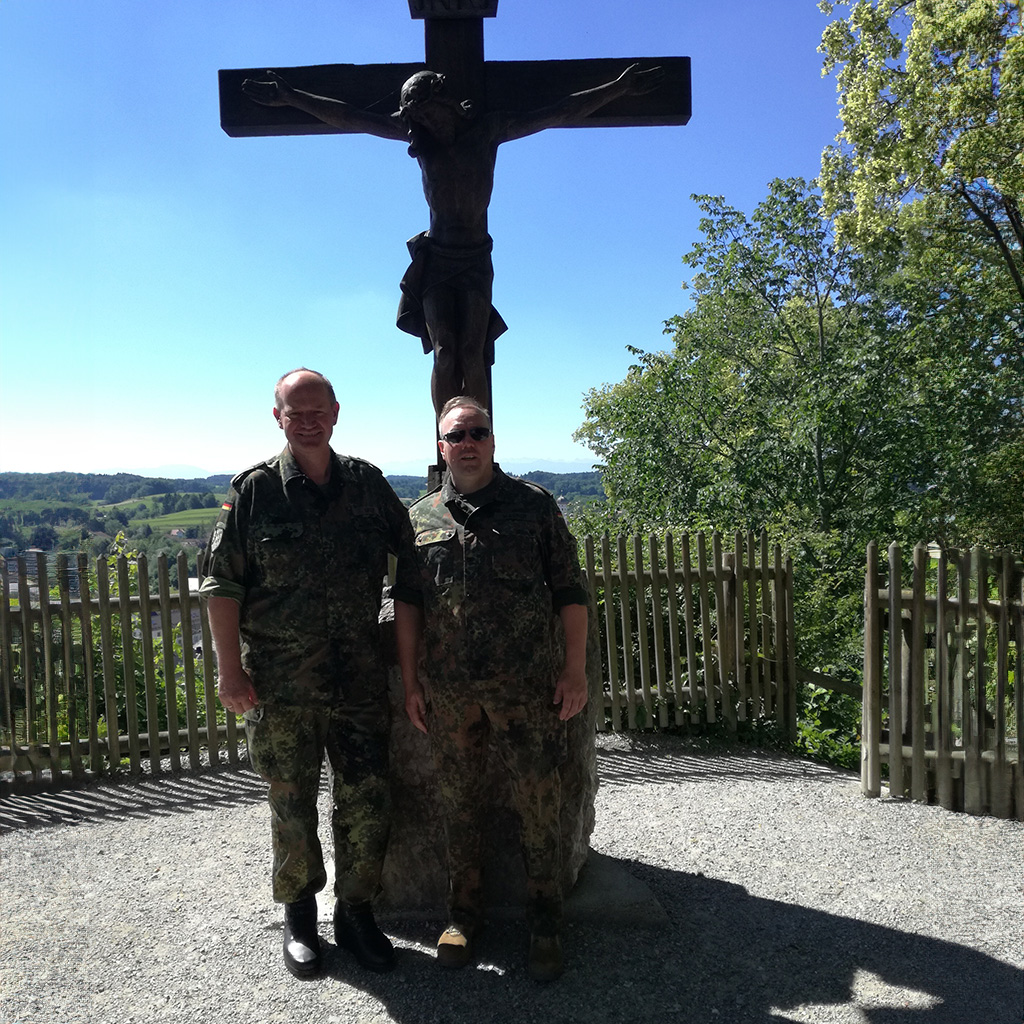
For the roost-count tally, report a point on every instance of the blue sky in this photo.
(157, 276)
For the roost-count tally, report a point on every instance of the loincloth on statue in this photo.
(470, 270)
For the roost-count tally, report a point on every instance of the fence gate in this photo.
(943, 708)
(691, 632)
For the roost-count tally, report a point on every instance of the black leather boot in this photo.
(356, 931)
(301, 942)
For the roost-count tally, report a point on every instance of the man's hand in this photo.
(416, 705)
(273, 93)
(236, 691)
(571, 692)
(636, 82)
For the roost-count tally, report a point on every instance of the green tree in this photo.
(931, 96)
(43, 537)
(809, 390)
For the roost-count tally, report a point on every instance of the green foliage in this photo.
(931, 94)
(579, 487)
(408, 487)
(828, 727)
(828, 394)
(82, 488)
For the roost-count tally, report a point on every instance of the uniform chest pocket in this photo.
(515, 553)
(362, 545)
(369, 525)
(279, 550)
(437, 551)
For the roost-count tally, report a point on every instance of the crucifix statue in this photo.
(453, 114)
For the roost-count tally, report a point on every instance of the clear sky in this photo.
(158, 276)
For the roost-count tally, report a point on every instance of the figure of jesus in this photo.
(446, 291)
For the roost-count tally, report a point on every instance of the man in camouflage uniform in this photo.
(295, 572)
(498, 565)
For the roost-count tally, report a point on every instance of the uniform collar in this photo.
(291, 471)
(494, 490)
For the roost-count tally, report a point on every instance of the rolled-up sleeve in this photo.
(407, 587)
(564, 575)
(225, 553)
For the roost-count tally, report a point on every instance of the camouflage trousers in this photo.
(287, 746)
(530, 741)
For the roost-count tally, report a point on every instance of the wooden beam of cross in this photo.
(456, 108)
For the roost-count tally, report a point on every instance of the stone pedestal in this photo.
(415, 872)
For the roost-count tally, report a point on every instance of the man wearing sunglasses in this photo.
(499, 568)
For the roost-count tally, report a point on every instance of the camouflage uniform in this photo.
(307, 566)
(496, 567)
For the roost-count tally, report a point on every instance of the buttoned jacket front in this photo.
(495, 568)
(307, 566)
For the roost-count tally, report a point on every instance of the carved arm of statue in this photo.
(274, 91)
(632, 82)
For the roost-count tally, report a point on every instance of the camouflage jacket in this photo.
(495, 569)
(307, 565)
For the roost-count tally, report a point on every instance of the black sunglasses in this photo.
(477, 433)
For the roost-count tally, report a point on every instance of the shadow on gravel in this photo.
(726, 957)
(152, 796)
(658, 763)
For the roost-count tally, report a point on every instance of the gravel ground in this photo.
(786, 896)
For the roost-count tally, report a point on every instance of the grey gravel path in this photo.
(774, 893)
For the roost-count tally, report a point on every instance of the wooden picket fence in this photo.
(98, 674)
(943, 662)
(693, 633)
(92, 683)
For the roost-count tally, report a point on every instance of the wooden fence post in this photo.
(148, 670)
(768, 648)
(737, 609)
(753, 647)
(28, 667)
(124, 595)
(49, 674)
(943, 691)
(7, 660)
(975, 707)
(658, 628)
(781, 641)
(1018, 695)
(791, 709)
(188, 664)
(107, 655)
(68, 673)
(1000, 788)
(628, 672)
(723, 619)
(596, 695)
(691, 629)
(611, 644)
(674, 651)
(897, 679)
(918, 678)
(640, 599)
(88, 662)
(871, 715)
(710, 671)
(169, 664)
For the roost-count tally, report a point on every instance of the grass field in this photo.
(181, 520)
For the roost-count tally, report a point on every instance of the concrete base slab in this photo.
(605, 894)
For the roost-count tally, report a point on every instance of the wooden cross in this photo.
(454, 35)
(446, 291)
